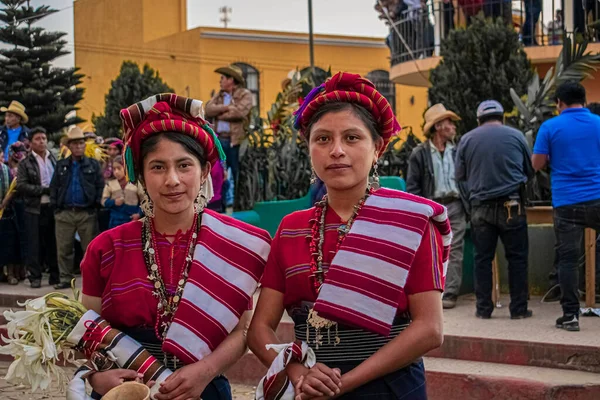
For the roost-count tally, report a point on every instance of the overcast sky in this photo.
(344, 17)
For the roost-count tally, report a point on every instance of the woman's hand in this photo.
(102, 382)
(319, 381)
(186, 383)
(119, 201)
(135, 217)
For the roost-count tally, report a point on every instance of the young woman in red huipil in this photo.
(180, 281)
(361, 273)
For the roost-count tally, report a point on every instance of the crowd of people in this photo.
(415, 21)
(483, 180)
(364, 274)
(55, 201)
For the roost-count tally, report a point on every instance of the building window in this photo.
(382, 82)
(319, 77)
(252, 78)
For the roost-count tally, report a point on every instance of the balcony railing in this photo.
(424, 27)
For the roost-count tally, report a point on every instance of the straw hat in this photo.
(128, 391)
(436, 114)
(75, 133)
(16, 108)
(232, 71)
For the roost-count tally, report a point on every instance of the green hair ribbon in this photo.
(208, 129)
(129, 165)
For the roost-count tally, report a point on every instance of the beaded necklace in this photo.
(316, 264)
(167, 304)
(318, 237)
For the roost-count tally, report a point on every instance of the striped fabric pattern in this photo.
(92, 333)
(370, 269)
(228, 263)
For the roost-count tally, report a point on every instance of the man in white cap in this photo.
(431, 174)
(494, 160)
(14, 129)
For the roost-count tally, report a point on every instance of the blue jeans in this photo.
(569, 225)
(490, 221)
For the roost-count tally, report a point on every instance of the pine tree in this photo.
(131, 86)
(26, 72)
(479, 63)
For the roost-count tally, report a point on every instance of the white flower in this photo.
(21, 321)
(38, 304)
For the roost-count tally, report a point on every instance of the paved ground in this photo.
(539, 328)
(10, 392)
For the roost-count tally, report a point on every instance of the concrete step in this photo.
(520, 352)
(457, 379)
(449, 379)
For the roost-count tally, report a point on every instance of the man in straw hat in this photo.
(494, 161)
(431, 174)
(230, 108)
(13, 129)
(75, 195)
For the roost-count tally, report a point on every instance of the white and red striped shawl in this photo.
(228, 263)
(371, 267)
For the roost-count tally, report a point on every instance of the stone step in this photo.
(520, 352)
(449, 379)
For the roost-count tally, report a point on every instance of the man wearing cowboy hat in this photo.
(494, 161)
(431, 174)
(230, 108)
(13, 130)
(75, 194)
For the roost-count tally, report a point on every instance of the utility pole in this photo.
(311, 41)
(225, 11)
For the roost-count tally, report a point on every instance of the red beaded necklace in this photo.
(318, 238)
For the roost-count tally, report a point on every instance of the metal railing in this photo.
(424, 27)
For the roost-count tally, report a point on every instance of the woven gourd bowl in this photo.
(128, 391)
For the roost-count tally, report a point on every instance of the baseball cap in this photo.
(489, 107)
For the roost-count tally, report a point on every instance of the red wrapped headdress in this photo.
(166, 112)
(349, 88)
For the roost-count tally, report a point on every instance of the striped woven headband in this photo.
(166, 112)
(349, 88)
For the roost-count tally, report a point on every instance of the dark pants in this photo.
(533, 8)
(407, 383)
(41, 241)
(490, 221)
(447, 18)
(233, 157)
(497, 9)
(581, 13)
(569, 226)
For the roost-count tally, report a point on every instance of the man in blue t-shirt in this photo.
(571, 144)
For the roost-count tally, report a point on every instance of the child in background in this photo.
(122, 198)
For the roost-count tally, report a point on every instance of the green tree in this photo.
(131, 86)
(481, 62)
(26, 71)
